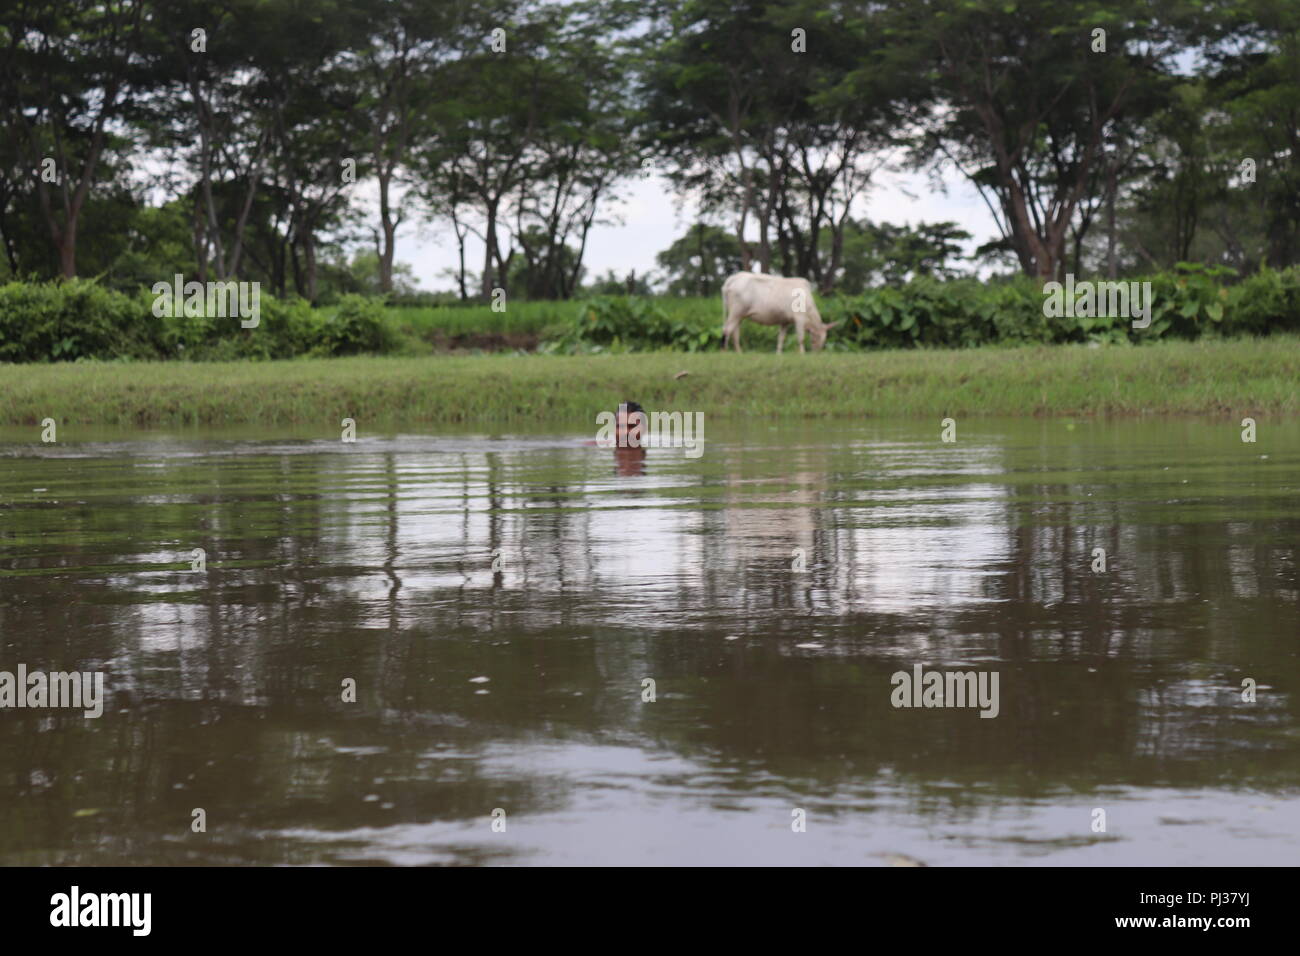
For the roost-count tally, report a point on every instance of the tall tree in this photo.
(68, 67)
(1026, 96)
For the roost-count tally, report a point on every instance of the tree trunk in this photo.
(388, 228)
(704, 271)
(68, 250)
(309, 267)
(1112, 262)
(489, 251)
(746, 259)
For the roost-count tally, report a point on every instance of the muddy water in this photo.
(500, 601)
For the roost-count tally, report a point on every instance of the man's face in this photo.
(629, 427)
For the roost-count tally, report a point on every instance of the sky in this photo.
(653, 217)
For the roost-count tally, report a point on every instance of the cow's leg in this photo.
(780, 339)
(730, 330)
(798, 333)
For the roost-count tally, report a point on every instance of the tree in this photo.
(1255, 58)
(763, 110)
(68, 68)
(397, 66)
(700, 261)
(528, 142)
(1025, 99)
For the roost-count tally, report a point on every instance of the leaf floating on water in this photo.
(86, 812)
(479, 680)
(812, 646)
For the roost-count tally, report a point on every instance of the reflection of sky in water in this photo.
(643, 542)
(522, 688)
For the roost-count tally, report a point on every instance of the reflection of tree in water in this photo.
(377, 567)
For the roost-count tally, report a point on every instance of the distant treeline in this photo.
(270, 140)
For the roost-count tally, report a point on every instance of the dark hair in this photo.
(633, 407)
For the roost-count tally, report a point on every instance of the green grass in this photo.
(1239, 377)
(518, 318)
(529, 317)
(424, 330)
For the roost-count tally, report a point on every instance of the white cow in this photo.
(771, 300)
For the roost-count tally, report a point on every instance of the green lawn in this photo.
(523, 316)
(518, 317)
(1239, 377)
(426, 329)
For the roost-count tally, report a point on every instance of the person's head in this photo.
(630, 419)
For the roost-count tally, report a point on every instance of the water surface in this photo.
(521, 688)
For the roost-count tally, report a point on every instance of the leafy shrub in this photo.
(1268, 301)
(79, 319)
(359, 325)
(67, 321)
(1193, 301)
(618, 324)
(72, 320)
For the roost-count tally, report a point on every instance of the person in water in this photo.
(629, 445)
(629, 439)
(629, 431)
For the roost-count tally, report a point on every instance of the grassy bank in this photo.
(1246, 377)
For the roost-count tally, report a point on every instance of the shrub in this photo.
(66, 321)
(79, 319)
(618, 324)
(358, 325)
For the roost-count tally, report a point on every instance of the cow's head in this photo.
(819, 335)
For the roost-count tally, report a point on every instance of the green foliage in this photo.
(72, 320)
(359, 326)
(360, 274)
(700, 261)
(79, 319)
(611, 324)
(876, 252)
(519, 317)
(1190, 303)
(1267, 301)
(68, 321)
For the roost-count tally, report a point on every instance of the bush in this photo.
(1193, 301)
(68, 321)
(359, 325)
(65, 321)
(624, 324)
